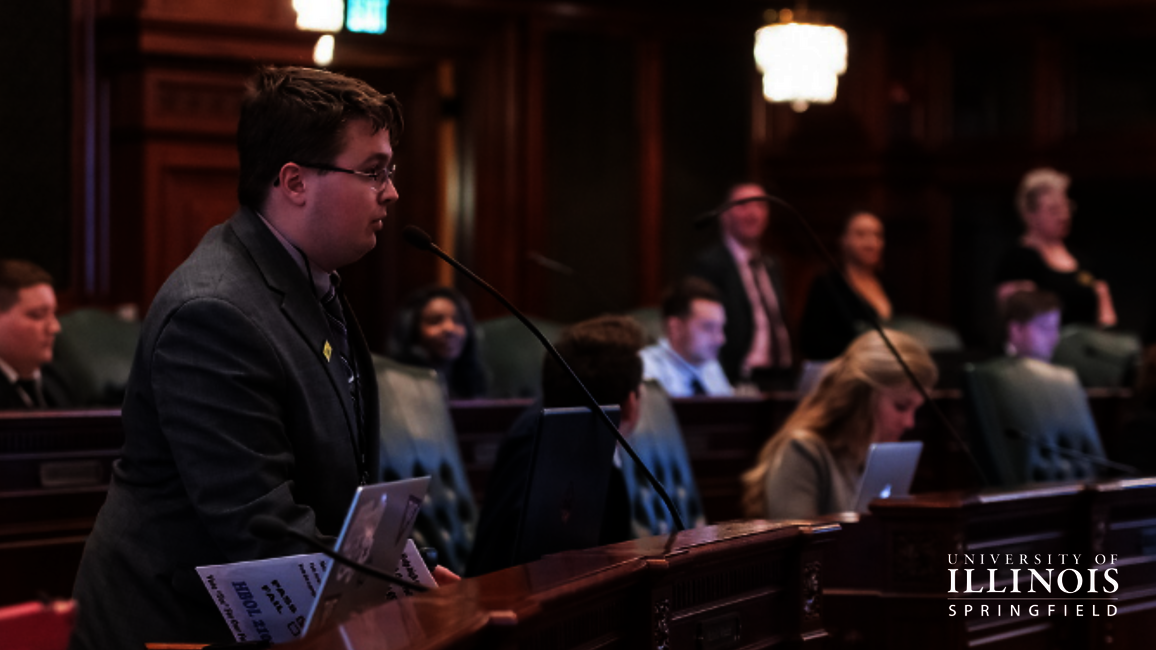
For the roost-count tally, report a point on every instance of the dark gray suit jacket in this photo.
(717, 266)
(57, 393)
(231, 411)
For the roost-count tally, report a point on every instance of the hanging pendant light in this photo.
(800, 61)
(320, 15)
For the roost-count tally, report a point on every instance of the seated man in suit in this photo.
(603, 352)
(685, 361)
(28, 329)
(751, 288)
(1032, 320)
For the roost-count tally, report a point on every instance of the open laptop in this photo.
(280, 599)
(376, 528)
(569, 478)
(890, 469)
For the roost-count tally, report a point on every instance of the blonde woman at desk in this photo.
(812, 465)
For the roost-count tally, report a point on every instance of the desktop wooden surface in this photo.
(740, 584)
(888, 580)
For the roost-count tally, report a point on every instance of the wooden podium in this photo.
(888, 582)
(738, 585)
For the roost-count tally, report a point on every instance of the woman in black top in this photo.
(834, 314)
(435, 329)
(1041, 260)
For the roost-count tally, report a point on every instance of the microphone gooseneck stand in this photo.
(707, 217)
(270, 528)
(420, 240)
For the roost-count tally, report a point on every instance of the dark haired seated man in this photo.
(603, 352)
(28, 329)
(1032, 322)
(252, 391)
(685, 361)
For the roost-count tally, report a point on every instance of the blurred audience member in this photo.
(813, 464)
(834, 314)
(28, 329)
(604, 353)
(751, 289)
(685, 360)
(1042, 261)
(435, 328)
(1032, 320)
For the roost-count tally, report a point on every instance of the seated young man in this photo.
(685, 361)
(1032, 321)
(28, 329)
(603, 352)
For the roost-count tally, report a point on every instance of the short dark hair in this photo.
(299, 114)
(736, 184)
(678, 297)
(1023, 306)
(603, 352)
(16, 275)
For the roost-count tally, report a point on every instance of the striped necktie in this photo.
(335, 317)
(32, 392)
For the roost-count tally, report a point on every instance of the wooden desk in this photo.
(743, 584)
(54, 466)
(54, 473)
(888, 574)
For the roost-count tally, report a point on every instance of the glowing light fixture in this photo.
(367, 16)
(323, 51)
(800, 62)
(320, 15)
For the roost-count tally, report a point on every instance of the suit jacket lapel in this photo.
(359, 348)
(298, 302)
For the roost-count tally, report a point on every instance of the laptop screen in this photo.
(890, 469)
(569, 478)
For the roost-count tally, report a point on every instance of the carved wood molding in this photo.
(812, 590)
(913, 558)
(188, 103)
(661, 621)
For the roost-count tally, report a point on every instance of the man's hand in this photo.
(444, 576)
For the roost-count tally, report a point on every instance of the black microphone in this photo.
(704, 219)
(273, 529)
(550, 264)
(864, 310)
(1126, 470)
(418, 238)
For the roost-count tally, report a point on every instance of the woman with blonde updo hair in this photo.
(812, 465)
(1041, 260)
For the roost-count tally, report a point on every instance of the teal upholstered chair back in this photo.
(513, 355)
(933, 336)
(1100, 359)
(1042, 400)
(94, 353)
(417, 439)
(650, 318)
(658, 441)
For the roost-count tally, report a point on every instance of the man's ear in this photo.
(291, 183)
(1015, 332)
(629, 412)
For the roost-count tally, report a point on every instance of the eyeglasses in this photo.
(380, 176)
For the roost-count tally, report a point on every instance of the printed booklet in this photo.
(280, 599)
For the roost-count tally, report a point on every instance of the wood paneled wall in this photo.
(943, 108)
(593, 132)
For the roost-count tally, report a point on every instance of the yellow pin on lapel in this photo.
(327, 350)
